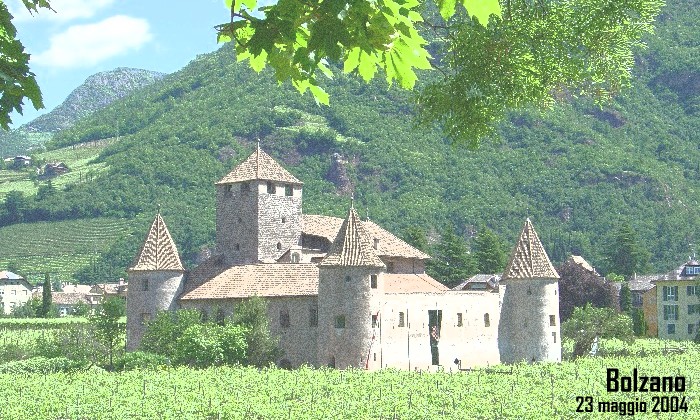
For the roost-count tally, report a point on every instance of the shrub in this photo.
(141, 360)
(41, 365)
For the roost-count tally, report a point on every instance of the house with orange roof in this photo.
(344, 292)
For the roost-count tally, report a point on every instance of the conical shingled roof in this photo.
(158, 251)
(259, 165)
(529, 259)
(351, 247)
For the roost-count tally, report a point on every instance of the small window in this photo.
(270, 187)
(670, 293)
(402, 321)
(529, 290)
(375, 321)
(295, 257)
(284, 220)
(145, 285)
(373, 281)
(671, 328)
(237, 247)
(692, 290)
(279, 246)
(284, 318)
(554, 337)
(670, 312)
(459, 319)
(552, 321)
(347, 279)
(694, 309)
(487, 321)
(229, 188)
(245, 187)
(691, 329)
(313, 316)
(376, 243)
(288, 190)
(14, 292)
(340, 321)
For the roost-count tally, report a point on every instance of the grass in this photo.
(79, 159)
(60, 248)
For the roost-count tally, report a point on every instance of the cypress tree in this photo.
(46, 297)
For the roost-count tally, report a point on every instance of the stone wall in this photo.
(237, 222)
(526, 332)
(148, 293)
(297, 338)
(279, 221)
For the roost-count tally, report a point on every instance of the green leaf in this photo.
(447, 8)
(320, 95)
(481, 9)
(352, 60)
(258, 62)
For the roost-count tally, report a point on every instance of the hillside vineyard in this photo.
(344, 292)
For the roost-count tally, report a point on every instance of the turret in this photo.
(155, 281)
(258, 211)
(529, 326)
(349, 291)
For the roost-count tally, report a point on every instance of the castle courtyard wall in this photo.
(474, 342)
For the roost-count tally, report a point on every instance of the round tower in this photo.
(529, 325)
(155, 281)
(349, 291)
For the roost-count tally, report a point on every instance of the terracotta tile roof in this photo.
(61, 298)
(389, 245)
(259, 165)
(265, 280)
(579, 260)
(158, 251)
(411, 283)
(529, 259)
(351, 247)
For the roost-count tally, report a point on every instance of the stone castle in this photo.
(344, 292)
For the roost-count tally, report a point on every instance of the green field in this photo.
(538, 391)
(79, 160)
(60, 248)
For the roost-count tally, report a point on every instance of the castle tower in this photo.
(529, 326)
(258, 211)
(349, 294)
(155, 281)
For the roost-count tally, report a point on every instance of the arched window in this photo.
(270, 187)
(487, 321)
(279, 246)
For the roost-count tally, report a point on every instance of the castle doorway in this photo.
(434, 323)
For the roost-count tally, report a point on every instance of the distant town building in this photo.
(14, 291)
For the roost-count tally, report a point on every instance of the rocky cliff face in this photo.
(98, 91)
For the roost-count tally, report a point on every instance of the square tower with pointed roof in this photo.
(258, 211)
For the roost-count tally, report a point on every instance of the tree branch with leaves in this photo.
(494, 57)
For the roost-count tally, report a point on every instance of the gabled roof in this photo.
(351, 247)
(158, 251)
(389, 245)
(264, 280)
(259, 165)
(486, 280)
(529, 259)
(411, 283)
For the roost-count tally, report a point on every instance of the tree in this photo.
(262, 348)
(579, 287)
(624, 254)
(626, 299)
(416, 237)
(491, 59)
(30, 309)
(488, 253)
(46, 297)
(166, 329)
(588, 322)
(17, 81)
(107, 328)
(16, 205)
(452, 263)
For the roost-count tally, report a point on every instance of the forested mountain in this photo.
(98, 91)
(579, 172)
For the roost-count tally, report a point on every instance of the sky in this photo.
(84, 37)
